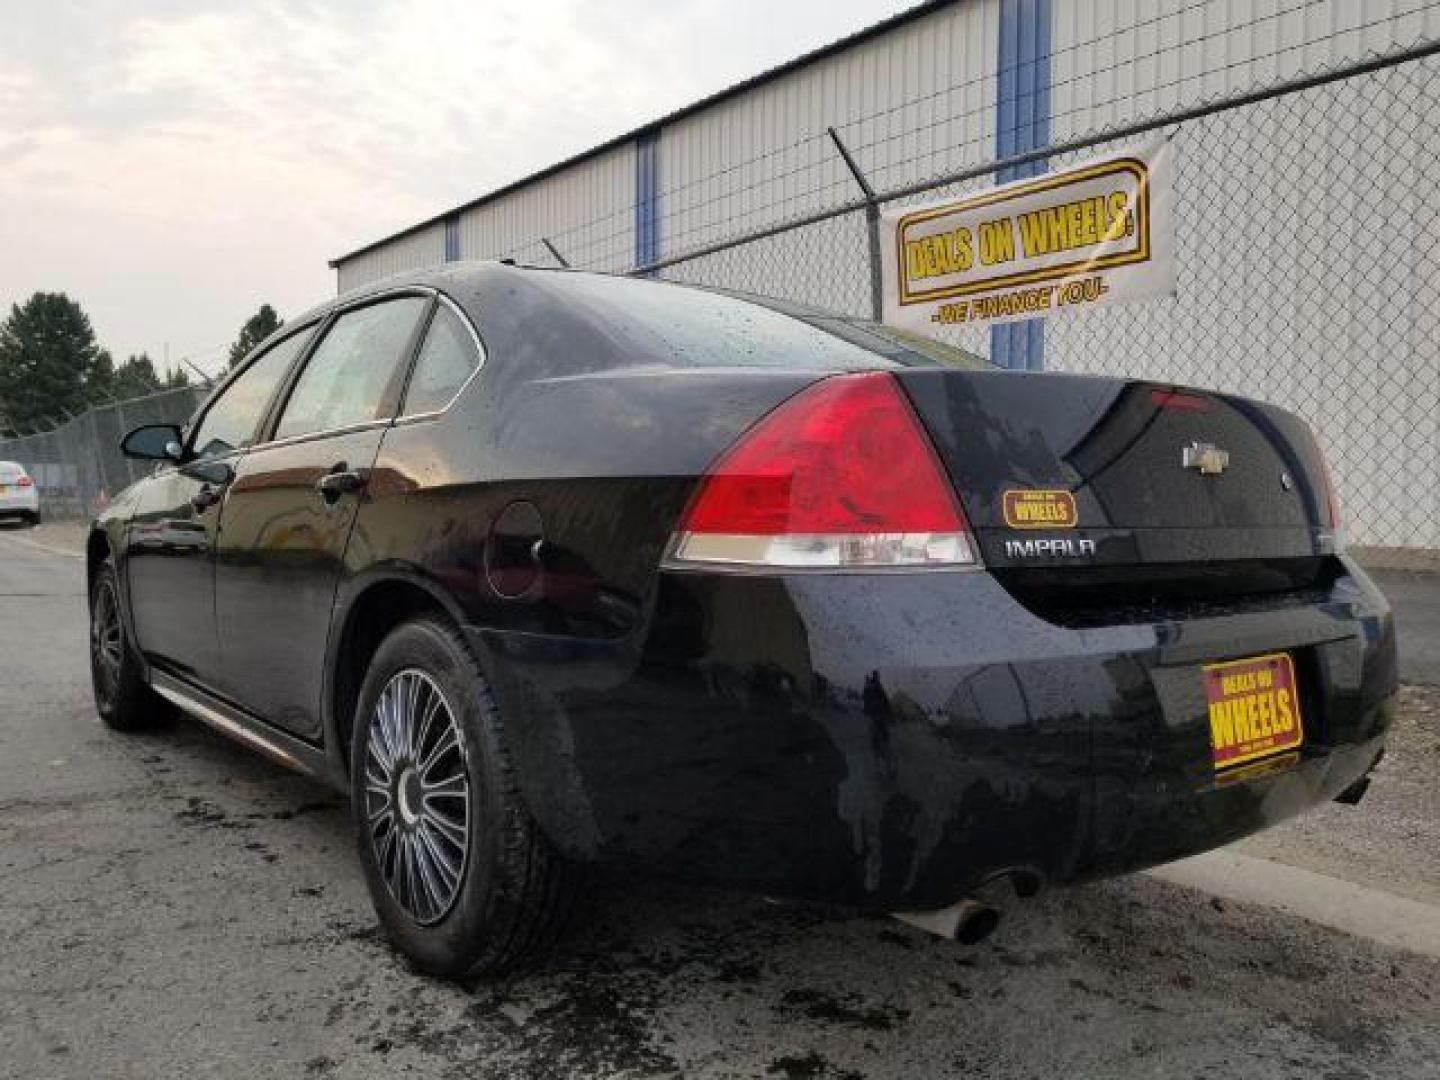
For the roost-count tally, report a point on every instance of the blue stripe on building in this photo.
(452, 238)
(1022, 123)
(647, 197)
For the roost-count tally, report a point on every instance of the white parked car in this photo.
(19, 497)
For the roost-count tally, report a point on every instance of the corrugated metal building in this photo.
(953, 86)
(925, 93)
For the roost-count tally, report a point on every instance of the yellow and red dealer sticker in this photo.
(1254, 708)
(1027, 508)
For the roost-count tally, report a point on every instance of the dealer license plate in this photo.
(1254, 709)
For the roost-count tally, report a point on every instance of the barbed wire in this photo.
(753, 172)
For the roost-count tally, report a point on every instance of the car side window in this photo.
(230, 422)
(346, 379)
(447, 358)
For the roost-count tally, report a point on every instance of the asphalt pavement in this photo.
(174, 906)
(1415, 596)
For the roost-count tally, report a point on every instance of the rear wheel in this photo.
(460, 875)
(33, 518)
(122, 698)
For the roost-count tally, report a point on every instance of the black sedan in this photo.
(549, 569)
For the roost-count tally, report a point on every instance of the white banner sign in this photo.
(1096, 233)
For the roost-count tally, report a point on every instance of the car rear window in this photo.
(904, 347)
(10, 471)
(704, 328)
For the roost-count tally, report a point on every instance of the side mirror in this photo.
(153, 442)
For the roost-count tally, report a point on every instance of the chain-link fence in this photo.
(1307, 251)
(78, 466)
(1308, 262)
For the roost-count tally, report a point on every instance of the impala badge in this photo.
(1207, 459)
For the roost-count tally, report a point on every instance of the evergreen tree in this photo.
(256, 329)
(48, 357)
(134, 378)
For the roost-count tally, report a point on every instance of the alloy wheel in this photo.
(106, 641)
(417, 795)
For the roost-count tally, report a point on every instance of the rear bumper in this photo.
(895, 740)
(19, 504)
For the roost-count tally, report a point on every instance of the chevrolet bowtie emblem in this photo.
(1207, 459)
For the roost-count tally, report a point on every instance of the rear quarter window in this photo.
(447, 359)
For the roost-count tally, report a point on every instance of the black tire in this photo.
(512, 893)
(34, 519)
(123, 699)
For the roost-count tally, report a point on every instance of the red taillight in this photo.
(24, 481)
(1332, 497)
(841, 475)
(1179, 401)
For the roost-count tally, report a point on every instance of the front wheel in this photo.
(123, 699)
(460, 875)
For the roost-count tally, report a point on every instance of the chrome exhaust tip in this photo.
(968, 922)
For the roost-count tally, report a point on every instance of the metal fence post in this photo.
(872, 225)
(128, 465)
(564, 263)
(97, 463)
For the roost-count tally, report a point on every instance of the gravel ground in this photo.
(1391, 841)
(177, 907)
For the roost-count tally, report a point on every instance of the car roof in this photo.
(461, 279)
(470, 283)
(547, 321)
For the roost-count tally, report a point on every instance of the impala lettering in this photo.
(1066, 547)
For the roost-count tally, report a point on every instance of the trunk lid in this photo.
(1119, 473)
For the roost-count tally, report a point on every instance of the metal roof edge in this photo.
(768, 75)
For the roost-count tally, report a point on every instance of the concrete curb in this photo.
(1395, 921)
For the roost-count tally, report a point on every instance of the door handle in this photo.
(206, 497)
(340, 481)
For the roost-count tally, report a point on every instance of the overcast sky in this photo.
(173, 163)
